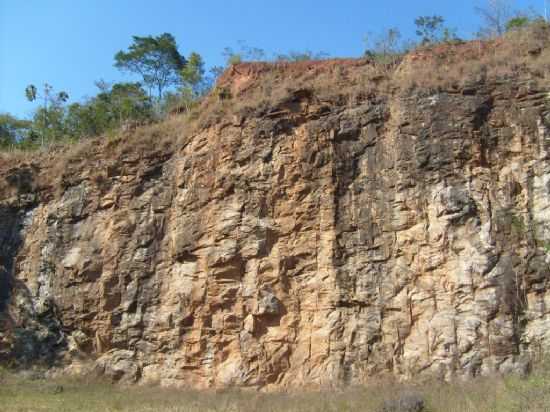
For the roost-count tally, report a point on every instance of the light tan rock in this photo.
(310, 247)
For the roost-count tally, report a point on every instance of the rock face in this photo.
(318, 243)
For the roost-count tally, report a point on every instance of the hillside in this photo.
(311, 224)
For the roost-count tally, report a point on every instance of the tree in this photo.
(156, 59)
(431, 30)
(13, 131)
(130, 102)
(388, 43)
(86, 119)
(192, 80)
(495, 15)
(113, 107)
(192, 75)
(31, 92)
(385, 47)
(48, 119)
(245, 53)
(194, 84)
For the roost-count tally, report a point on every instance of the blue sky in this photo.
(71, 43)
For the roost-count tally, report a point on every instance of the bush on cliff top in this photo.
(441, 61)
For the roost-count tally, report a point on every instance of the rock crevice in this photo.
(314, 244)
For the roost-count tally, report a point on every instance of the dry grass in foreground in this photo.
(502, 394)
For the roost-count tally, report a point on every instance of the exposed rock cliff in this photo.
(315, 242)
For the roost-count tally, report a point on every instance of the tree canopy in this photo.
(192, 75)
(48, 118)
(431, 30)
(114, 106)
(156, 59)
(183, 82)
(12, 130)
(495, 14)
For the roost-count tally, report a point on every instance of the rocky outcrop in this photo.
(315, 243)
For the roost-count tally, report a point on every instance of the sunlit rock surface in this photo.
(321, 244)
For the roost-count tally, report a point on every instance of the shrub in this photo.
(405, 402)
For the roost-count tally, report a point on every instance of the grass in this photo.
(495, 394)
(518, 53)
(255, 89)
(344, 82)
(62, 163)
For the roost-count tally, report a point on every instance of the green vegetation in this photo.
(181, 83)
(12, 130)
(431, 30)
(48, 118)
(495, 14)
(114, 106)
(193, 86)
(296, 56)
(498, 19)
(490, 394)
(156, 59)
(244, 53)
(386, 48)
(518, 22)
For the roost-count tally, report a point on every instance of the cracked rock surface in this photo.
(404, 234)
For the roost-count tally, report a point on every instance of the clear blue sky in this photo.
(71, 43)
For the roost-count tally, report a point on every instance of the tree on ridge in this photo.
(156, 59)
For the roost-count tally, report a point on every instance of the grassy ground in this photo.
(488, 394)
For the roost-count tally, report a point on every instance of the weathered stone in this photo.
(314, 244)
(268, 304)
(119, 365)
